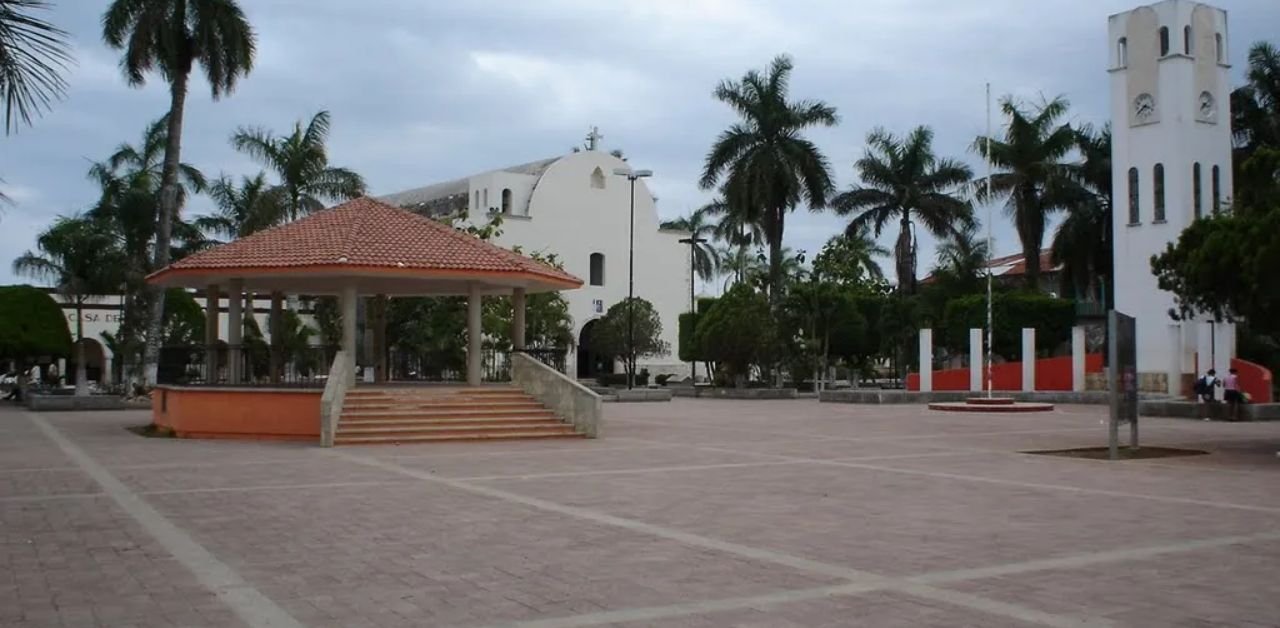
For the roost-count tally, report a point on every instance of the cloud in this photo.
(427, 91)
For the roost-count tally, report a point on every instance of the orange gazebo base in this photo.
(238, 413)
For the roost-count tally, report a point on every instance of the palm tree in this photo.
(706, 259)
(1255, 121)
(767, 167)
(302, 164)
(850, 258)
(242, 209)
(79, 255)
(1082, 242)
(903, 179)
(172, 37)
(1034, 177)
(737, 230)
(33, 54)
(963, 253)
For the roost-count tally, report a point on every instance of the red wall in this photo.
(237, 413)
(1051, 374)
(1255, 380)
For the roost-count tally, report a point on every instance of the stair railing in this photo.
(341, 377)
(572, 401)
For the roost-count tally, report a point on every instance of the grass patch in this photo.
(152, 430)
(1125, 453)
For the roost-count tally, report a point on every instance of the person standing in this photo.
(1204, 391)
(1232, 394)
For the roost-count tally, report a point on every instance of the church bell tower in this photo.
(1171, 164)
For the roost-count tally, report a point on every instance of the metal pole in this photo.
(631, 288)
(990, 316)
(693, 312)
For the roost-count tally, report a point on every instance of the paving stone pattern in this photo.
(696, 513)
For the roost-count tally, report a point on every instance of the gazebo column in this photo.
(275, 327)
(211, 333)
(517, 319)
(349, 297)
(473, 335)
(235, 331)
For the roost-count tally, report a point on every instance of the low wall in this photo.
(566, 397)
(1051, 374)
(243, 413)
(639, 395)
(709, 392)
(1218, 411)
(72, 403)
(874, 396)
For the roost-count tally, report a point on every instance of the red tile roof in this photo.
(366, 234)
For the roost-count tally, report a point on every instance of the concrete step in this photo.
(548, 419)
(455, 436)
(402, 406)
(432, 413)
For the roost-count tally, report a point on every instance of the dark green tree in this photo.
(31, 325)
(763, 163)
(80, 257)
(737, 333)
(1034, 176)
(172, 37)
(631, 329)
(850, 259)
(706, 259)
(1082, 242)
(904, 180)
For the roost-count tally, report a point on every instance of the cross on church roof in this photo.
(593, 138)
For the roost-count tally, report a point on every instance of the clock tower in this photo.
(1171, 164)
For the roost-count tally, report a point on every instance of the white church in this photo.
(576, 207)
(1171, 164)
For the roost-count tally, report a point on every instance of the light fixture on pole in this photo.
(631, 176)
(693, 242)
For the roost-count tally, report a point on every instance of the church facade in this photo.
(1171, 165)
(576, 207)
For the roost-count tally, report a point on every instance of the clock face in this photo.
(1207, 105)
(1144, 107)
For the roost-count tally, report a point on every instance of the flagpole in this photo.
(990, 271)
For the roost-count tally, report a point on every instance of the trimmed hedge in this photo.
(32, 325)
(1051, 317)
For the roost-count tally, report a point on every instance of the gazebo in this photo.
(361, 247)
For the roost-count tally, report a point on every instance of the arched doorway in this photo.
(93, 359)
(590, 362)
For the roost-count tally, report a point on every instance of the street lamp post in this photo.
(693, 242)
(631, 176)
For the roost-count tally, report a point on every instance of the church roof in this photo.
(358, 237)
(428, 197)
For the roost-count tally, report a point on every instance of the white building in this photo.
(1171, 163)
(576, 207)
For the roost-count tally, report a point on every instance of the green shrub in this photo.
(1051, 317)
(31, 325)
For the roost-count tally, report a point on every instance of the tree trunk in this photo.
(1031, 232)
(168, 210)
(82, 373)
(904, 255)
(775, 256)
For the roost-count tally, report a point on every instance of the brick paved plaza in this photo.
(693, 513)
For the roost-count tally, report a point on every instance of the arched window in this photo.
(1216, 187)
(1186, 40)
(597, 269)
(1122, 52)
(597, 179)
(1133, 196)
(1158, 190)
(506, 201)
(1197, 191)
(486, 199)
(477, 206)
(1217, 44)
(1164, 40)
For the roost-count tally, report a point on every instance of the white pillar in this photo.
(349, 330)
(107, 368)
(976, 359)
(62, 373)
(1174, 374)
(1077, 358)
(1205, 340)
(235, 329)
(473, 335)
(211, 333)
(926, 360)
(1028, 359)
(517, 319)
(1226, 335)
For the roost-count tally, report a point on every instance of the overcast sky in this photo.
(424, 91)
